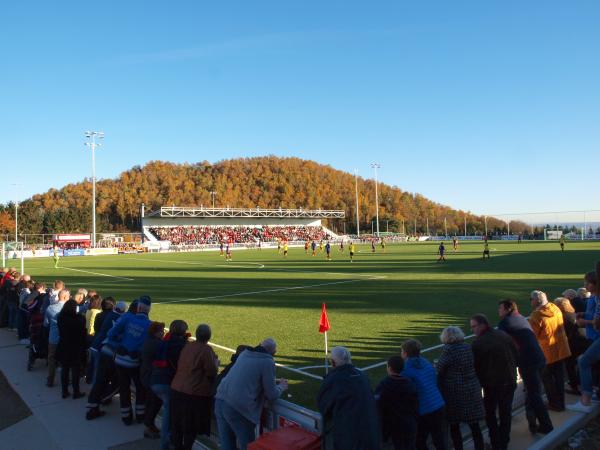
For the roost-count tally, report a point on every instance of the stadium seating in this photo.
(190, 235)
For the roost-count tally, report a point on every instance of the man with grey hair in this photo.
(51, 323)
(347, 405)
(579, 302)
(547, 324)
(242, 393)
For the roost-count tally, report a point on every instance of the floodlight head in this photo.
(88, 134)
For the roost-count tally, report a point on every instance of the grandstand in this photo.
(185, 226)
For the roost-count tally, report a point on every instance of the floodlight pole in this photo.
(213, 194)
(16, 185)
(376, 166)
(356, 193)
(445, 227)
(91, 136)
(485, 221)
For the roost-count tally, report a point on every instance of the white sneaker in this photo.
(580, 407)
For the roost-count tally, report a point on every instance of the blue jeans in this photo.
(12, 315)
(163, 391)
(586, 361)
(231, 425)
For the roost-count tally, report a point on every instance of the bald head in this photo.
(64, 295)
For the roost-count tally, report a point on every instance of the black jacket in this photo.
(397, 401)
(495, 356)
(348, 407)
(529, 351)
(73, 338)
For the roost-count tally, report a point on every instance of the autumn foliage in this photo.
(267, 182)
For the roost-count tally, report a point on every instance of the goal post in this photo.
(12, 252)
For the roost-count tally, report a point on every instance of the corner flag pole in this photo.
(323, 328)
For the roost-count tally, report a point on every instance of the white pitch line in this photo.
(96, 273)
(283, 366)
(257, 292)
(193, 263)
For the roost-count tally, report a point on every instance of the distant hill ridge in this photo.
(267, 182)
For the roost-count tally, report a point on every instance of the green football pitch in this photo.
(373, 304)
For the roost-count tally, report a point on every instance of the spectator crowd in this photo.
(201, 235)
(113, 346)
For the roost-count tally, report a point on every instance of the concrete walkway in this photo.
(56, 423)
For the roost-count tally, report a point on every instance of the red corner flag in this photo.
(324, 322)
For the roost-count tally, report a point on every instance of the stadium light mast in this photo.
(92, 143)
(376, 166)
(356, 193)
(16, 185)
(213, 194)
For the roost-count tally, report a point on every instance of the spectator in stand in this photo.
(234, 357)
(431, 402)
(192, 391)
(398, 403)
(3, 306)
(530, 362)
(80, 297)
(570, 294)
(578, 343)
(579, 303)
(164, 367)
(22, 313)
(12, 300)
(105, 379)
(50, 322)
(347, 405)
(70, 351)
(93, 309)
(495, 358)
(241, 395)
(460, 387)
(107, 305)
(548, 326)
(156, 331)
(127, 337)
(52, 296)
(592, 355)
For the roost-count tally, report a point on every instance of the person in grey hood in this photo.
(242, 393)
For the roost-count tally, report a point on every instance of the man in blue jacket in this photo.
(348, 406)
(127, 337)
(431, 402)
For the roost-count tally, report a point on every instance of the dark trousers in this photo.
(3, 312)
(535, 409)
(498, 398)
(457, 439)
(127, 375)
(431, 424)
(106, 383)
(153, 405)
(75, 370)
(404, 441)
(23, 324)
(553, 378)
(190, 416)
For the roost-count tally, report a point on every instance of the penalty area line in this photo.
(248, 264)
(97, 273)
(265, 291)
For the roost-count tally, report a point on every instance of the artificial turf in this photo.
(374, 303)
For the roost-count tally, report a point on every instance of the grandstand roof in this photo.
(178, 211)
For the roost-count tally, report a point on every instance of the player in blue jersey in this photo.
(441, 251)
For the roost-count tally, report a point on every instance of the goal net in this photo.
(13, 255)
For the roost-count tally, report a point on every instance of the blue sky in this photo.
(492, 107)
